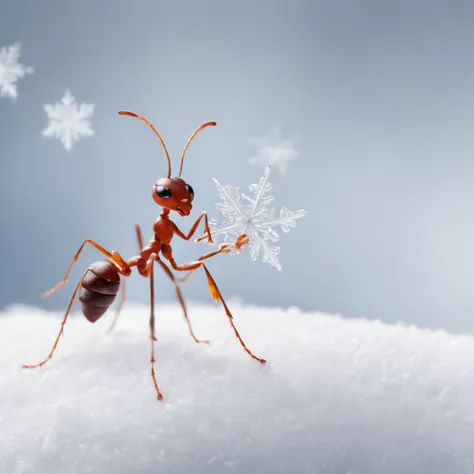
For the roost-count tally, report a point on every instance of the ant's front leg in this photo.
(223, 248)
(193, 229)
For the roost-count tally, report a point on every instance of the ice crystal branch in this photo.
(251, 215)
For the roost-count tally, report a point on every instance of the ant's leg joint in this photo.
(122, 264)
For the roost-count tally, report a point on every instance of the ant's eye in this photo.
(163, 192)
(190, 190)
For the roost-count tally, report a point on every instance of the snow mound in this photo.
(336, 396)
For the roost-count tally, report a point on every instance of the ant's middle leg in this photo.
(180, 299)
(146, 270)
(215, 294)
(151, 261)
(120, 263)
(167, 251)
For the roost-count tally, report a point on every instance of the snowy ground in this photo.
(337, 396)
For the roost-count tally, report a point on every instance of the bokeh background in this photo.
(379, 93)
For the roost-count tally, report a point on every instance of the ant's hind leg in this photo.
(138, 231)
(120, 306)
(122, 266)
(61, 330)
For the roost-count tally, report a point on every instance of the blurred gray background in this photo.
(379, 93)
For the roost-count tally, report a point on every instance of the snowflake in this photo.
(252, 216)
(68, 120)
(275, 151)
(11, 70)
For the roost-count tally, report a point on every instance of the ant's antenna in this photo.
(132, 114)
(204, 125)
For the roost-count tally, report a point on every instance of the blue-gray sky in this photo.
(379, 93)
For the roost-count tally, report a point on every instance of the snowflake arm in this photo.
(68, 120)
(259, 241)
(287, 219)
(252, 216)
(261, 190)
(231, 200)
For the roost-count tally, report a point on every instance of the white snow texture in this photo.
(337, 396)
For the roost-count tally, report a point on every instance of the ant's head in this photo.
(173, 194)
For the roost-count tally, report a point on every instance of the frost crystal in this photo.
(11, 70)
(253, 216)
(274, 150)
(68, 120)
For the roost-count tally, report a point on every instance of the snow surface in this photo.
(336, 396)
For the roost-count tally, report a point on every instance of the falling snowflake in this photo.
(68, 120)
(11, 70)
(252, 216)
(274, 150)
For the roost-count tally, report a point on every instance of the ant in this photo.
(100, 283)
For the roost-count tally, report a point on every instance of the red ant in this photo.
(101, 282)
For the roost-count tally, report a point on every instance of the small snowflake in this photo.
(274, 150)
(252, 216)
(68, 120)
(11, 70)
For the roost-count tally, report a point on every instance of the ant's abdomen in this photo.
(99, 289)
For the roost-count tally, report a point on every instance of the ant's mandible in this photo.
(101, 282)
